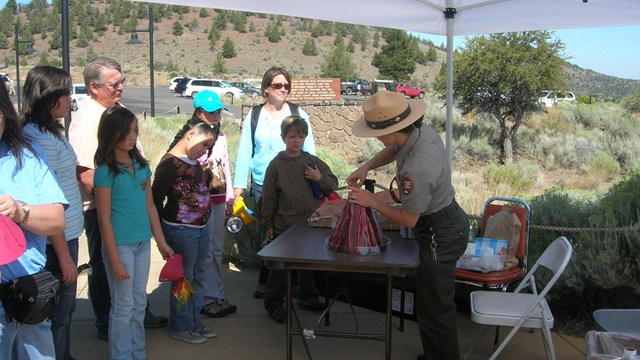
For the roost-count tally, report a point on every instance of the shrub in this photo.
(519, 177)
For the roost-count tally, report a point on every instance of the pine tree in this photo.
(228, 49)
(310, 48)
(177, 29)
(219, 66)
(338, 64)
(204, 13)
(397, 58)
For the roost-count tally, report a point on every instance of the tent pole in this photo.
(449, 13)
(66, 65)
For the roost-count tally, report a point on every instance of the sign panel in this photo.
(315, 89)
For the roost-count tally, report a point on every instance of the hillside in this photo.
(255, 53)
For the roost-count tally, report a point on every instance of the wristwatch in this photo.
(25, 210)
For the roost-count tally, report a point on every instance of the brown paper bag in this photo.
(505, 225)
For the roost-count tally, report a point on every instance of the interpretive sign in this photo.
(315, 89)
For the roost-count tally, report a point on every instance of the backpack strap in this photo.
(255, 114)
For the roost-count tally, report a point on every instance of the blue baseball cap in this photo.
(208, 101)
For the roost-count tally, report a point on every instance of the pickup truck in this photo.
(356, 86)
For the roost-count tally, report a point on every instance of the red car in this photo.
(410, 90)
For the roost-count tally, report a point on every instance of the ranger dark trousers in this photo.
(442, 238)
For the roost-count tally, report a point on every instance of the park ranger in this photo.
(428, 205)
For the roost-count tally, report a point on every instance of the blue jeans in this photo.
(61, 315)
(256, 193)
(98, 285)
(126, 319)
(192, 244)
(213, 282)
(20, 341)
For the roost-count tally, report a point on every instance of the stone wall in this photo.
(332, 124)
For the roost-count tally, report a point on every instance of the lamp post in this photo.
(28, 50)
(134, 41)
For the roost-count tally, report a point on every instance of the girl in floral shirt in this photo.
(179, 180)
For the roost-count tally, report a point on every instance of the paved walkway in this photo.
(251, 334)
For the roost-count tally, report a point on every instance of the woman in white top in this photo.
(257, 149)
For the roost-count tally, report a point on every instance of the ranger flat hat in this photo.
(386, 112)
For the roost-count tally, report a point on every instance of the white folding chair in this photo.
(518, 309)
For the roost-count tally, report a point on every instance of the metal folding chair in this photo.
(519, 309)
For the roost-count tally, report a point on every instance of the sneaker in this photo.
(103, 335)
(311, 304)
(218, 309)
(208, 332)
(190, 337)
(279, 314)
(152, 321)
(261, 291)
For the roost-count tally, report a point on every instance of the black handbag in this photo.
(30, 299)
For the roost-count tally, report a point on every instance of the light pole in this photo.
(134, 41)
(28, 50)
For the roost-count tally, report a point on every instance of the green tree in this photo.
(338, 64)
(239, 21)
(44, 58)
(397, 58)
(221, 20)
(273, 33)
(214, 36)
(4, 43)
(431, 55)
(219, 66)
(310, 48)
(228, 49)
(376, 40)
(351, 47)
(177, 29)
(204, 13)
(502, 75)
(632, 102)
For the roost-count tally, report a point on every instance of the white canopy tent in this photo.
(447, 17)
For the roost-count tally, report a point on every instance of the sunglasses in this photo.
(279, 86)
(116, 84)
(393, 190)
(217, 112)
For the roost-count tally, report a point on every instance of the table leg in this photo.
(289, 306)
(387, 341)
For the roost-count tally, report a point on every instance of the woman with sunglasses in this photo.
(428, 205)
(257, 148)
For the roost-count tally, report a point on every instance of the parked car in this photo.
(173, 82)
(181, 85)
(410, 90)
(221, 87)
(247, 88)
(79, 93)
(355, 86)
(550, 98)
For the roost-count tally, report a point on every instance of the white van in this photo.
(220, 87)
(551, 98)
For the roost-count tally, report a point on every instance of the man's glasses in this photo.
(279, 86)
(116, 84)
